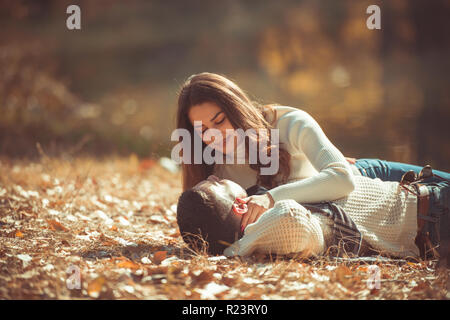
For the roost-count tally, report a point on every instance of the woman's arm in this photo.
(334, 179)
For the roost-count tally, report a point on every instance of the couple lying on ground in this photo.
(384, 217)
(317, 199)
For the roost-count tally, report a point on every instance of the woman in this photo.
(311, 168)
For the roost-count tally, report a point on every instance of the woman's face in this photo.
(212, 117)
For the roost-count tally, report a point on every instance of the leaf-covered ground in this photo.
(113, 223)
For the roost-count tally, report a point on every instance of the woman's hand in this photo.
(350, 160)
(256, 206)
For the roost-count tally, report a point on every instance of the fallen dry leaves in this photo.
(56, 226)
(112, 224)
(125, 263)
(19, 234)
(159, 256)
(95, 287)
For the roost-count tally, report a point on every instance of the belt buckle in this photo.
(408, 177)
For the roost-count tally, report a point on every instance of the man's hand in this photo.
(256, 206)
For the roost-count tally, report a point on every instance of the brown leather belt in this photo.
(423, 242)
(423, 203)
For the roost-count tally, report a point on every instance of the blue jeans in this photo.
(439, 210)
(392, 171)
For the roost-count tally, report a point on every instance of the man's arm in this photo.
(286, 228)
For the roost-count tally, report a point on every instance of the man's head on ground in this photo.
(205, 214)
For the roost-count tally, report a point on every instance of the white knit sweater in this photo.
(319, 171)
(385, 214)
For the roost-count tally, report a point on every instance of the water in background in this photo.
(112, 86)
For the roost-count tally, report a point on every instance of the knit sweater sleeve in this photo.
(334, 180)
(286, 228)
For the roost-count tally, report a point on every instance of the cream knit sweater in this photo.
(319, 171)
(385, 214)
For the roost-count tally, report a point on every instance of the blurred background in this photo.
(111, 87)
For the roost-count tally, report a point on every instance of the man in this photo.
(390, 218)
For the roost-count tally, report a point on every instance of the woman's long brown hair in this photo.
(241, 112)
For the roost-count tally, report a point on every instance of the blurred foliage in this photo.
(112, 86)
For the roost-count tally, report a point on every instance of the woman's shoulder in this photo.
(286, 116)
(294, 125)
(282, 111)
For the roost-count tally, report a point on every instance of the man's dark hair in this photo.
(203, 223)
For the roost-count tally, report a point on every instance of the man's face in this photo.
(225, 192)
